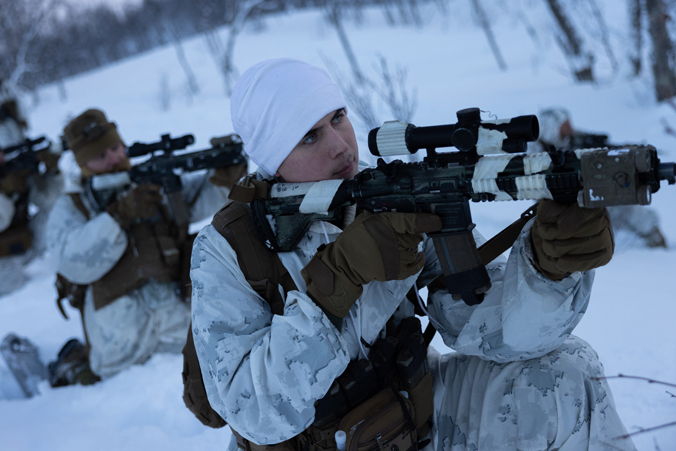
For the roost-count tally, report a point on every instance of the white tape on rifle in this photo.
(391, 139)
(534, 163)
(319, 197)
(486, 171)
(115, 180)
(532, 187)
(280, 190)
(490, 142)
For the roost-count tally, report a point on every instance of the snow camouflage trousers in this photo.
(548, 403)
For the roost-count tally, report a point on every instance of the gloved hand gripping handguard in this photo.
(568, 238)
(381, 246)
(143, 202)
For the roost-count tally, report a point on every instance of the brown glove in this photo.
(228, 175)
(568, 238)
(14, 182)
(143, 202)
(382, 246)
(51, 160)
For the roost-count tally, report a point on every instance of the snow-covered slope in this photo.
(631, 315)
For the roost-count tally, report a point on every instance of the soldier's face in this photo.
(328, 151)
(113, 158)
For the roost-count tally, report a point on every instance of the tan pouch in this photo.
(246, 445)
(422, 396)
(380, 424)
(16, 240)
(170, 252)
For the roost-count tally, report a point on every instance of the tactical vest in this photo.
(366, 392)
(154, 252)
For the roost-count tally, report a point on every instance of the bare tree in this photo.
(486, 26)
(334, 15)
(362, 94)
(663, 64)
(604, 34)
(241, 11)
(636, 35)
(20, 23)
(579, 59)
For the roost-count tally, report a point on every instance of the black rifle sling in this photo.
(263, 270)
(488, 252)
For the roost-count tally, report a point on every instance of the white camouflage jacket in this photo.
(263, 372)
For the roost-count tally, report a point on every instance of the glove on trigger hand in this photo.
(143, 202)
(569, 238)
(382, 246)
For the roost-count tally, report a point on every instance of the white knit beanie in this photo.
(275, 103)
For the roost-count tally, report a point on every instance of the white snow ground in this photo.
(630, 320)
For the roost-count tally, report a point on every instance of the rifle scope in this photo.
(167, 144)
(399, 138)
(26, 144)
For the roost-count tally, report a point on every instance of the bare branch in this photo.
(624, 376)
(603, 28)
(488, 31)
(642, 431)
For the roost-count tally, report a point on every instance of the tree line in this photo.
(45, 41)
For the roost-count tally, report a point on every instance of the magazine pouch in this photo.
(380, 424)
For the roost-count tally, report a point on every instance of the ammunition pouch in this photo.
(15, 240)
(152, 254)
(155, 251)
(379, 403)
(381, 423)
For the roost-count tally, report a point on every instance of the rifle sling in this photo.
(488, 252)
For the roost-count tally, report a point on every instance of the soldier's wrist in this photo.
(114, 211)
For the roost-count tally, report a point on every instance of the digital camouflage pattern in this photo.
(152, 318)
(519, 381)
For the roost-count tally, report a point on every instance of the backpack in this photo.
(264, 271)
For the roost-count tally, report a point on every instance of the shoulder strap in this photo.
(494, 247)
(488, 252)
(77, 200)
(262, 268)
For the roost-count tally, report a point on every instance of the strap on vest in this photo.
(77, 200)
(488, 252)
(262, 268)
(249, 189)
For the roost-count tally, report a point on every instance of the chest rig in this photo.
(157, 251)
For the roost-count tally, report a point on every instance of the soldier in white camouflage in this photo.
(119, 263)
(27, 192)
(518, 381)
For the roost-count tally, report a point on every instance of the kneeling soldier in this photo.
(325, 342)
(119, 257)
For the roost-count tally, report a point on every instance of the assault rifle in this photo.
(490, 164)
(24, 155)
(164, 168)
